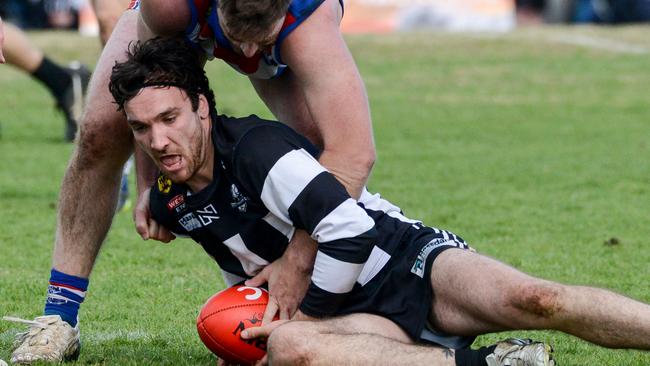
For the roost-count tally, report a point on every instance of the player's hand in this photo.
(265, 330)
(2, 41)
(288, 277)
(147, 227)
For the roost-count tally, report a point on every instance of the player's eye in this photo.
(138, 127)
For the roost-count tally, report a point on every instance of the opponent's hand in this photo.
(288, 277)
(2, 41)
(147, 227)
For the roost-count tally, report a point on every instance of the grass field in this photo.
(533, 146)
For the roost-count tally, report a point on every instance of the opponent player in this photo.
(315, 87)
(394, 280)
(66, 84)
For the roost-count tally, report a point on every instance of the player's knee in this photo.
(101, 142)
(289, 344)
(540, 299)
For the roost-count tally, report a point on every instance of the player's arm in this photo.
(335, 95)
(2, 41)
(298, 190)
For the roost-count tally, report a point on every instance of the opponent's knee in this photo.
(102, 142)
(289, 344)
(540, 299)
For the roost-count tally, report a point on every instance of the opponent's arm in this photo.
(2, 41)
(335, 95)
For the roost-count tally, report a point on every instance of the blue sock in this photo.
(64, 295)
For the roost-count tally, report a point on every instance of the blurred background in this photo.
(372, 16)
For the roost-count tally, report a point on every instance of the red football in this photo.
(225, 315)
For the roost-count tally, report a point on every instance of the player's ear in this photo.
(204, 107)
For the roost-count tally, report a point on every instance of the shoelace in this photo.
(25, 321)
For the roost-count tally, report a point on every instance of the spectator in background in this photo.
(612, 11)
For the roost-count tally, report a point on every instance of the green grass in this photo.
(534, 151)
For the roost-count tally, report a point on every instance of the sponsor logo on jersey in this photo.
(208, 214)
(177, 202)
(189, 222)
(420, 262)
(239, 201)
(164, 184)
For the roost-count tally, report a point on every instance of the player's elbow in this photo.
(289, 344)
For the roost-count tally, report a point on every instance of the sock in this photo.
(55, 78)
(470, 357)
(64, 295)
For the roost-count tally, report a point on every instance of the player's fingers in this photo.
(141, 226)
(270, 311)
(263, 331)
(260, 279)
(264, 361)
(284, 313)
(141, 215)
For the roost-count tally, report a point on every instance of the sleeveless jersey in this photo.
(205, 33)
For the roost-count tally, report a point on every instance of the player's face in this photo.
(171, 133)
(250, 47)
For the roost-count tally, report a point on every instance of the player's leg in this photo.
(475, 294)
(365, 339)
(19, 51)
(108, 12)
(87, 203)
(66, 84)
(357, 339)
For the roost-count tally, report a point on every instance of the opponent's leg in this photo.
(90, 186)
(475, 294)
(108, 12)
(66, 84)
(87, 203)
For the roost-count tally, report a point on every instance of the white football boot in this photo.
(521, 352)
(48, 339)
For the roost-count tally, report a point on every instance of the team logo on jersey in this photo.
(239, 201)
(189, 222)
(207, 214)
(420, 262)
(177, 202)
(164, 184)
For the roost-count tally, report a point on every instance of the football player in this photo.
(241, 187)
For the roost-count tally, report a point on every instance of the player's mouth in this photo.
(171, 163)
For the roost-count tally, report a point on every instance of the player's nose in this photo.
(159, 139)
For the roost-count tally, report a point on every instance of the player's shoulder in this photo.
(256, 134)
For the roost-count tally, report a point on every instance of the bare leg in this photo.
(90, 185)
(108, 12)
(19, 51)
(357, 339)
(475, 294)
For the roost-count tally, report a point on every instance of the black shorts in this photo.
(401, 291)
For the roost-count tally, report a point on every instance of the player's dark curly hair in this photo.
(248, 20)
(160, 62)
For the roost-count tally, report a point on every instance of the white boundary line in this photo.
(599, 43)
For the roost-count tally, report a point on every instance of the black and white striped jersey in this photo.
(266, 183)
